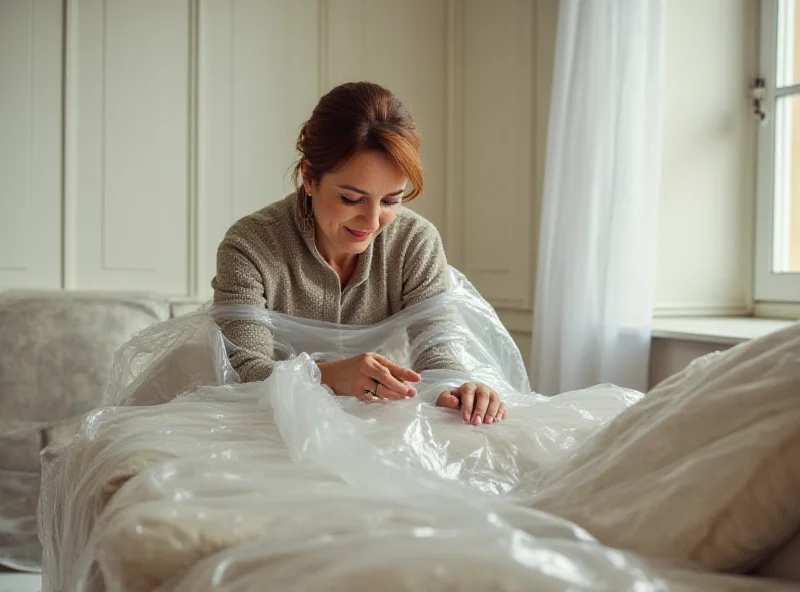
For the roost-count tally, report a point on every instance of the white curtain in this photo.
(595, 273)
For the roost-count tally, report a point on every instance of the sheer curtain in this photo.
(595, 274)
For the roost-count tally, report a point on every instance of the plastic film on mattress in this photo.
(189, 480)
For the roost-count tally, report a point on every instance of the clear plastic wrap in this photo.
(281, 485)
(187, 352)
(203, 494)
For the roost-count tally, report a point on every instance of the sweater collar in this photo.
(307, 229)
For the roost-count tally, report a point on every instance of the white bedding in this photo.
(201, 495)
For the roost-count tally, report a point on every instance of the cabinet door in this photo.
(403, 46)
(499, 167)
(128, 145)
(258, 81)
(30, 143)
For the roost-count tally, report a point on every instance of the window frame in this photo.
(770, 286)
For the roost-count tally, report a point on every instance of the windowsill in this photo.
(717, 330)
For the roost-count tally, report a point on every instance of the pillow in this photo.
(20, 443)
(64, 344)
(705, 468)
(195, 357)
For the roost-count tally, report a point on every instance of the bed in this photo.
(187, 480)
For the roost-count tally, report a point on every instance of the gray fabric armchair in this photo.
(56, 353)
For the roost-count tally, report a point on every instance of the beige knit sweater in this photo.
(270, 259)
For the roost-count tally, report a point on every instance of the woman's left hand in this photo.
(478, 403)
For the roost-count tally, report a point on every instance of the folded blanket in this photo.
(706, 467)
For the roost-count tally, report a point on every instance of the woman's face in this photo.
(355, 202)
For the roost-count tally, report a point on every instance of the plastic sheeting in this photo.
(279, 484)
(190, 351)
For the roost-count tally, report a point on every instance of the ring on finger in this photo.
(371, 394)
(374, 393)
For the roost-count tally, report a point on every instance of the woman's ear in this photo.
(308, 184)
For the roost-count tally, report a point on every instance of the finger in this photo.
(366, 396)
(467, 398)
(385, 392)
(381, 374)
(448, 399)
(492, 409)
(501, 413)
(481, 404)
(398, 371)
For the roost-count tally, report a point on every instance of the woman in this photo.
(343, 249)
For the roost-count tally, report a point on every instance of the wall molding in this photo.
(126, 153)
(30, 207)
(214, 134)
(323, 31)
(193, 245)
(454, 134)
(70, 148)
(488, 215)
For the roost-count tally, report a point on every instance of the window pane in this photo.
(787, 186)
(788, 64)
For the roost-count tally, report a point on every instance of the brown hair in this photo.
(350, 118)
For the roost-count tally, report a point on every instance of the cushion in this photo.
(20, 443)
(64, 346)
(194, 357)
(60, 433)
(705, 468)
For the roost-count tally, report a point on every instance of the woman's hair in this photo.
(354, 117)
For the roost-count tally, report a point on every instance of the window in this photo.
(777, 264)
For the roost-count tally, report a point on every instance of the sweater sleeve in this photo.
(238, 281)
(426, 274)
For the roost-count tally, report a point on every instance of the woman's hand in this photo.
(369, 377)
(479, 404)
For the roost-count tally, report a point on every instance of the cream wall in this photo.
(668, 356)
(178, 118)
(707, 208)
(706, 216)
(31, 37)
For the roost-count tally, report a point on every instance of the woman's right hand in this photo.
(366, 374)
